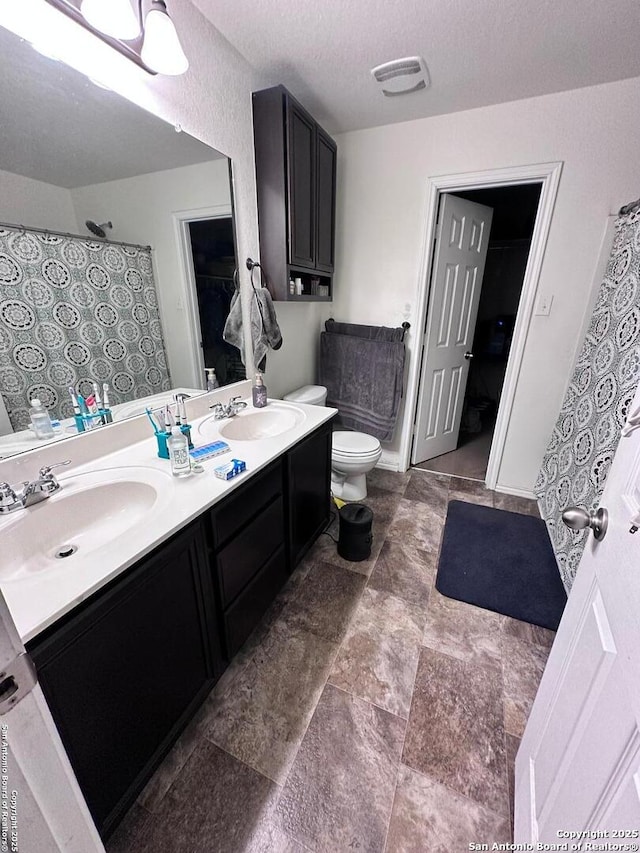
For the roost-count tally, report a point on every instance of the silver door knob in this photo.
(577, 518)
(468, 355)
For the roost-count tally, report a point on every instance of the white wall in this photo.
(212, 102)
(142, 211)
(24, 201)
(382, 194)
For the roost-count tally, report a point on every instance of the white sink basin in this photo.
(254, 424)
(89, 513)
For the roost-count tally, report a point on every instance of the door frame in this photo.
(188, 294)
(547, 174)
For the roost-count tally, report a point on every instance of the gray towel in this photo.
(373, 333)
(265, 332)
(364, 381)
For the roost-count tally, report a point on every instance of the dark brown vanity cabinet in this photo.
(296, 184)
(309, 489)
(125, 670)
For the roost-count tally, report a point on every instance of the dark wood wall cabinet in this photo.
(125, 671)
(296, 184)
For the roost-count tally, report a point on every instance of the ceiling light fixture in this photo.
(114, 18)
(141, 30)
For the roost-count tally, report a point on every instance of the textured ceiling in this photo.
(57, 127)
(478, 52)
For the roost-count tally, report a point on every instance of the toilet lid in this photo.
(355, 443)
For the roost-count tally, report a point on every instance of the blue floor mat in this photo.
(502, 561)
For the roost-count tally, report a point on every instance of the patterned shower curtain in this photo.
(595, 407)
(74, 311)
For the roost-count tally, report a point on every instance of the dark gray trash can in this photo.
(355, 537)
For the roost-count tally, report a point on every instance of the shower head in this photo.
(96, 229)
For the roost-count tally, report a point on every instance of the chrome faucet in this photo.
(38, 490)
(221, 411)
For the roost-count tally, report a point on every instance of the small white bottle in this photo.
(259, 392)
(178, 448)
(40, 420)
(212, 379)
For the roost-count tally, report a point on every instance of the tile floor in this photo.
(469, 459)
(367, 712)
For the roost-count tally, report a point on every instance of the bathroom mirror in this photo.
(77, 307)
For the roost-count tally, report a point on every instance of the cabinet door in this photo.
(326, 202)
(309, 491)
(124, 675)
(301, 156)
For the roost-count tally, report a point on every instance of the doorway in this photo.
(548, 176)
(467, 429)
(214, 262)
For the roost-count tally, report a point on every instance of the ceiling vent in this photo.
(402, 76)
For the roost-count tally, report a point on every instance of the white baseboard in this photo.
(389, 461)
(512, 490)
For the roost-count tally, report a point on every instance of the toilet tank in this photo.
(312, 395)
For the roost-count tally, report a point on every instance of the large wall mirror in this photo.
(141, 308)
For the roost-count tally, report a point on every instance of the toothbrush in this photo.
(96, 394)
(168, 418)
(153, 423)
(105, 402)
(161, 420)
(74, 401)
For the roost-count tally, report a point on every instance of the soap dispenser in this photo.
(212, 379)
(259, 391)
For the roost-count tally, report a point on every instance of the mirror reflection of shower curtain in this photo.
(75, 311)
(595, 407)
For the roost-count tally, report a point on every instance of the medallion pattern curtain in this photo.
(75, 311)
(595, 407)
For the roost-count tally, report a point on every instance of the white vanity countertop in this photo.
(38, 600)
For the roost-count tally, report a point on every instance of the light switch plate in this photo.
(543, 308)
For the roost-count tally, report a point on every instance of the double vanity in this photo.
(133, 590)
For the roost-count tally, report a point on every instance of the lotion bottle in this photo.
(259, 392)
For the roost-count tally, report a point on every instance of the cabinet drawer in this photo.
(243, 616)
(239, 507)
(243, 557)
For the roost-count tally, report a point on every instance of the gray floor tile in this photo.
(431, 489)
(403, 572)
(263, 716)
(325, 603)
(340, 790)
(471, 491)
(528, 632)
(455, 732)
(522, 667)
(514, 503)
(466, 632)
(430, 818)
(390, 481)
(216, 803)
(416, 526)
(378, 658)
(130, 832)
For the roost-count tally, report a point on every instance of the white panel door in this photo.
(461, 252)
(578, 767)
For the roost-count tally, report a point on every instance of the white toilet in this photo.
(353, 454)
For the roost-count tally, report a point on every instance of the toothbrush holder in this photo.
(185, 429)
(163, 450)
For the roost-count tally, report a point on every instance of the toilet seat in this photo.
(348, 444)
